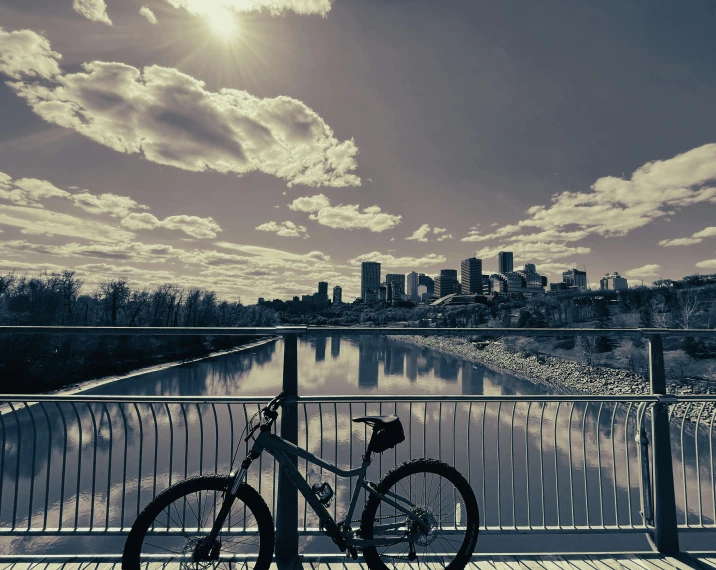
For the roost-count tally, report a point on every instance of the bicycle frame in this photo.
(283, 451)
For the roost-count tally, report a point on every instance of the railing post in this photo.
(666, 530)
(287, 505)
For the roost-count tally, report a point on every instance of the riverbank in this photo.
(80, 387)
(563, 375)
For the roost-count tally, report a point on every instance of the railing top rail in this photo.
(635, 398)
(326, 330)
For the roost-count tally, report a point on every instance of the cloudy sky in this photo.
(256, 147)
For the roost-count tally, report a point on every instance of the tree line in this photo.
(37, 363)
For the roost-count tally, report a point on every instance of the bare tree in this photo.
(689, 302)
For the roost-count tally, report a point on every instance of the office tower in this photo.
(369, 281)
(486, 285)
(337, 294)
(413, 284)
(323, 288)
(428, 282)
(447, 283)
(505, 262)
(613, 282)
(395, 285)
(471, 276)
(575, 278)
(383, 293)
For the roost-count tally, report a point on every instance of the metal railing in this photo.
(86, 465)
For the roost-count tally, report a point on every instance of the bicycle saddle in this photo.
(380, 421)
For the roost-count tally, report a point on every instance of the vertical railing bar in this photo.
(305, 503)
(571, 475)
(499, 468)
(17, 465)
(139, 463)
(49, 461)
(186, 459)
(469, 461)
(350, 455)
(156, 453)
(2, 462)
(216, 435)
(32, 471)
(599, 464)
(711, 461)
(556, 464)
(201, 445)
(231, 455)
(109, 467)
(527, 462)
(541, 461)
(454, 450)
(320, 430)
(683, 465)
(246, 423)
(614, 463)
(584, 462)
(335, 476)
(627, 459)
(171, 452)
(484, 472)
(124, 463)
(95, 437)
(512, 462)
(698, 468)
(79, 466)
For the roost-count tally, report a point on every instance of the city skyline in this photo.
(162, 147)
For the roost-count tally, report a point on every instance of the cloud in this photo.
(117, 206)
(148, 14)
(25, 54)
(171, 119)
(389, 260)
(698, 237)
(650, 270)
(195, 226)
(707, 264)
(271, 253)
(444, 237)
(28, 191)
(274, 7)
(125, 251)
(345, 216)
(544, 252)
(615, 206)
(283, 229)
(420, 234)
(95, 10)
(39, 221)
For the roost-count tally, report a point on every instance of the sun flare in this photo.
(222, 21)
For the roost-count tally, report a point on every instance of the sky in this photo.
(256, 147)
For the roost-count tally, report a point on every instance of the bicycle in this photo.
(435, 522)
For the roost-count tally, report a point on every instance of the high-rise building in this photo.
(613, 282)
(395, 285)
(369, 281)
(323, 288)
(486, 285)
(575, 278)
(505, 263)
(337, 294)
(471, 276)
(429, 284)
(413, 283)
(447, 283)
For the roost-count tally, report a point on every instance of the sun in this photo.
(222, 21)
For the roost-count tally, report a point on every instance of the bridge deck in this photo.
(640, 561)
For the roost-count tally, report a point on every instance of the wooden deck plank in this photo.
(580, 562)
(530, 563)
(606, 562)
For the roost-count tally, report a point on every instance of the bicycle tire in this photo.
(132, 554)
(374, 559)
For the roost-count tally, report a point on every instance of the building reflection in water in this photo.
(369, 347)
(320, 348)
(335, 346)
(473, 379)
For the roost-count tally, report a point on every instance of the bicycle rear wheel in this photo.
(170, 527)
(442, 498)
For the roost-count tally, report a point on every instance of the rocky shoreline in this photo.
(563, 375)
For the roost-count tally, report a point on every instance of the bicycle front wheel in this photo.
(170, 527)
(442, 498)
